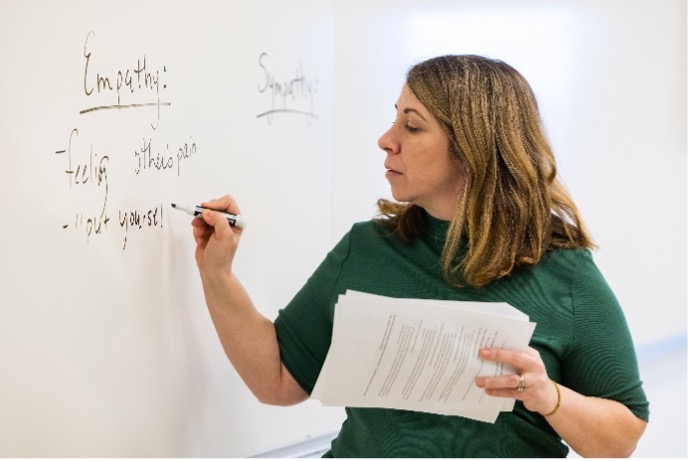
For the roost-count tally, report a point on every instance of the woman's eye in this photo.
(411, 129)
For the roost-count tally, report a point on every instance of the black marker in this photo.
(234, 219)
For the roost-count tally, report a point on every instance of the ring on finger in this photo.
(521, 384)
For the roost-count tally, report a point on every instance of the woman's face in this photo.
(418, 162)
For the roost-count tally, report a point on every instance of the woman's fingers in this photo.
(530, 382)
(224, 203)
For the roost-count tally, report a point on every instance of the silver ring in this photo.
(521, 384)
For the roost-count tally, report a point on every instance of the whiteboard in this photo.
(109, 112)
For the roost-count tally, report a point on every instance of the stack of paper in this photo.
(417, 354)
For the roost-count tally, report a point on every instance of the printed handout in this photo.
(418, 354)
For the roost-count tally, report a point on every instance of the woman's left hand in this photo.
(537, 392)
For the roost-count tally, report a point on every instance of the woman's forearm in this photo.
(249, 341)
(596, 427)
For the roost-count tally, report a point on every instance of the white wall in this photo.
(610, 77)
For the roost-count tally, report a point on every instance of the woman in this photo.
(479, 215)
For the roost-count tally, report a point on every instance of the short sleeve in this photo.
(602, 361)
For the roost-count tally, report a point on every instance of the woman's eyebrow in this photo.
(407, 110)
(410, 109)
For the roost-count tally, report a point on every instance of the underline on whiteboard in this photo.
(124, 106)
(289, 111)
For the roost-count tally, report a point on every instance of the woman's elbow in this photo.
(623, 447)
(280, 399)
(285, 392)
(635, 435)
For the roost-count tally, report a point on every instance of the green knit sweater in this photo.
(581, 334)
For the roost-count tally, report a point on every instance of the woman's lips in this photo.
(391, 171)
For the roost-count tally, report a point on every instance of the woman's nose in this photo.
(387, 141)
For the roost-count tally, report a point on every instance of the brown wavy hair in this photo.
(513, 209)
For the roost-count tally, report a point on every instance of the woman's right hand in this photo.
(216, 240)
